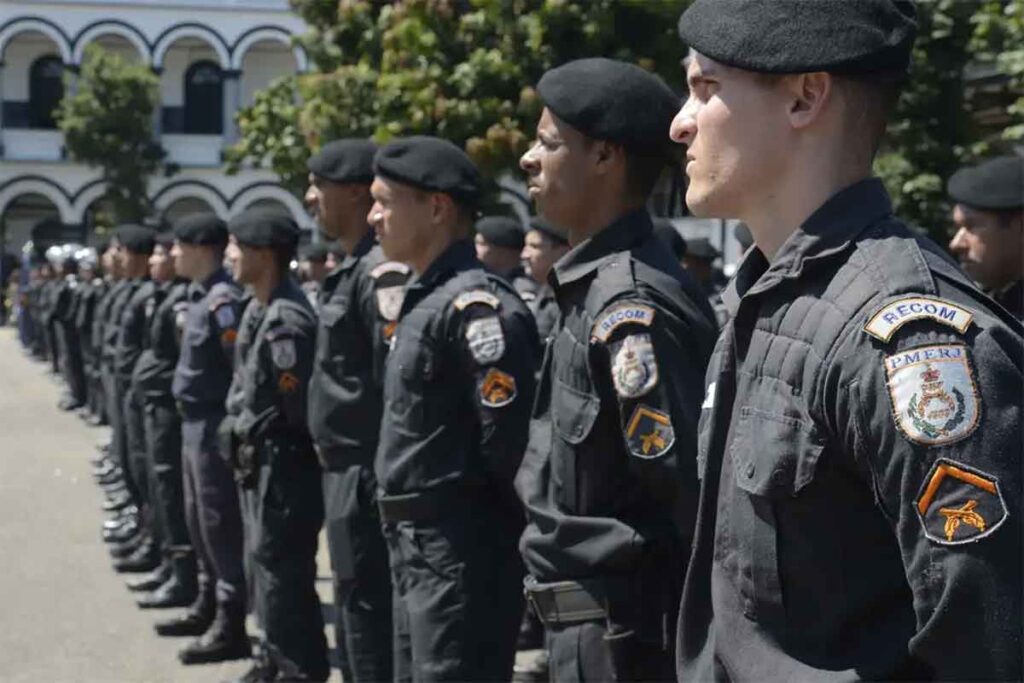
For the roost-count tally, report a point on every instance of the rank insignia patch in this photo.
(649, 432)
(477, 296)
(497, 389)
(621, 314)
(959, 504)
(282, 352)
(389, 331)
(934, 397)
(486, 340)
(287, 383)
(634, 367)
(229, 336)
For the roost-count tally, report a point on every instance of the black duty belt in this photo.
(429, 505)
(566, 602)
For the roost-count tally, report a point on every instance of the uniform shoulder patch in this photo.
(476, 296)
(282, 347)
(485, 339)
(634, 367)
(958, 504)
(382, 269)
(497, 389)
(934, 396)
(884, 322)
(649, 433)
(621, 314)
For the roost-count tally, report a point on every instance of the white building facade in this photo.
(211, 56)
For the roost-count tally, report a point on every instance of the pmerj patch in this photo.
(225, 315)
(884, 323)
(389, 301)
(959, 504)
(486, 340)
(618, 315)
(282, 352)
(934, 396)
(634, 366)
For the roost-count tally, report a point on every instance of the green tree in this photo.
(460, 69)
(108, 124)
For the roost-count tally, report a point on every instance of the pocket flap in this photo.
(774, 455)
(573, 412)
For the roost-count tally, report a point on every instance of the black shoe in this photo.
(151, 581)
(172, 593)
(145, 559)
(69, 404)
(224, 640)
(122, 535)
(194, 622)
(120, 502)
(113, 478)
(127, 546)
(263, 670)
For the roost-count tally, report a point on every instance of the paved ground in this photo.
(64, 614)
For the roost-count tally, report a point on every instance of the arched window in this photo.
(45, 90)
(204, 99)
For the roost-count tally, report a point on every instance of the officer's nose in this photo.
(529, 162)
(958, 244)
(684, 125)
(374, 217)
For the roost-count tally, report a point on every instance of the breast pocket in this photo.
(333, 334)
(416, 396)
(774, 457)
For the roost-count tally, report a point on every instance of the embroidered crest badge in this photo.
(282, 352)
(225, 315)
(634, 367)
(649, 432)
(934, 397)
(389, 301)
(486, 340)
(959, 504)
(497, 389)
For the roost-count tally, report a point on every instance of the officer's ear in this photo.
(808, 95)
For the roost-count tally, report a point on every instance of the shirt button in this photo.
(750, 469)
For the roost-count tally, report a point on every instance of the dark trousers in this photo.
(283, 514)
(212, 510)
(135, 440)
(166, 480)
(96, 393)
(362, 582)
(458, 598)
(74, 370)
(589, 652)
(118, 438)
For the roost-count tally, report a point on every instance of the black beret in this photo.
(701, 248)
(556, 234)
(501, 231)
(995, 185)
(136, 238)
(165, 239)
(611, 100)
(345, 161)
(201, 229)
(670, 237)
(315, 251)
(800, 36)
(431, 164)
(263, 228)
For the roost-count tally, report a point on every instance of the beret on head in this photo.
(501, 231)
(201, 229)
(345, 161)
(262, 228)
(670, 237)
(611, 100)
(701, 248)
(995, 185)
(315, 251)
(165, 239)
(554, 233)
(799, 36)
(136, 238)
(430, 164)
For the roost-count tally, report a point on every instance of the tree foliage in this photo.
(108, 123)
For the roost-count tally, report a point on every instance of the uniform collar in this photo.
(625, 233)
(459, 255)
(199, 289)
(364, 245)
(827, 232)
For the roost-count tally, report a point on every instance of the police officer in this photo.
(609, 480)
(200, 385)
(65, 310)
(151, 380)
(860, 435)
(360, 301)
(988, 213)
(274, 460)
(543, 246)
(113, 281)
(313, 270)
(457, 389)
(91, 289)
(499, 246)
(670, 237)
(699, 261)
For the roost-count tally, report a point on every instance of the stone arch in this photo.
(190, 189)
(264, 191)
(24, 185)
(111, 27)
(266, 33)
(16, 27)
(172, 35)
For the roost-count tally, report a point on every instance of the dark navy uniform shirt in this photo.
(458, 382)
(359, 307)
(133, 335)
(154, 371)
(860, 447)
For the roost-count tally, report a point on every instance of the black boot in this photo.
(152, 580)
(263, 669)
(196, 619)
(180, 588)
(225, 639)
(145, 559)
(122, 549)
